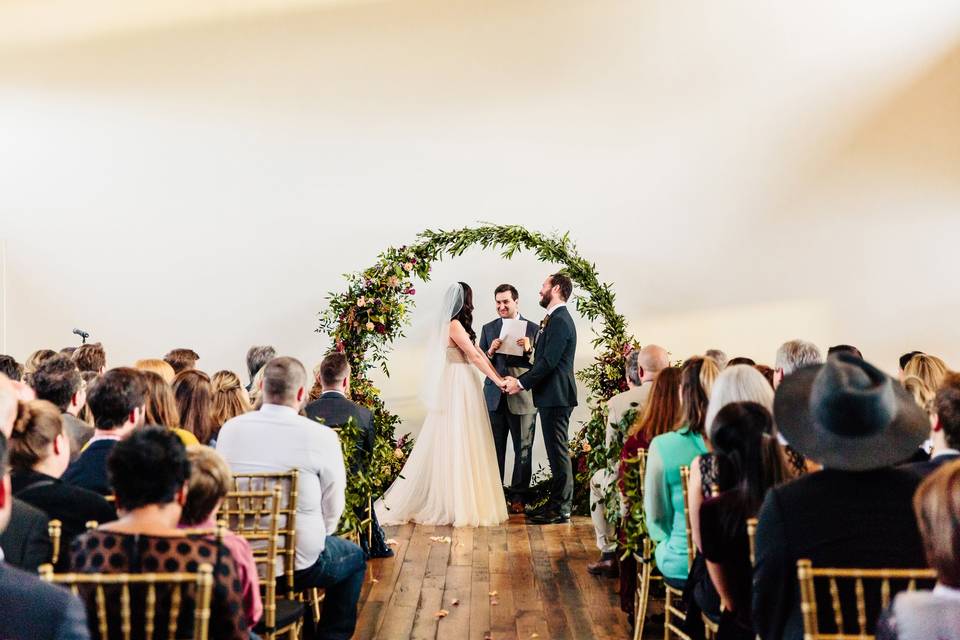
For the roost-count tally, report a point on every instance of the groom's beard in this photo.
(546, 299)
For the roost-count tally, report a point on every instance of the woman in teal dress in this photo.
(662, 491)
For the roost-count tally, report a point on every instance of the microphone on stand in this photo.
(83, 334)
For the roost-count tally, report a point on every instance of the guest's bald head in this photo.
(651, 360)
(283, 382)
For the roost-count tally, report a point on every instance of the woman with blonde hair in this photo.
(931, 370)
(194, 395)
(158, 366)
(230, 399)
(161, 407)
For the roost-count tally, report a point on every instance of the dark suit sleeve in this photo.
(73, 626)
(37, 548)
(553, 343)
(484, 339)
(774, 580)
(368, 429)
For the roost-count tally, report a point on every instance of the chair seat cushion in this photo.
(288, 612)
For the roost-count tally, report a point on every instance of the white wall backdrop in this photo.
(745, 172)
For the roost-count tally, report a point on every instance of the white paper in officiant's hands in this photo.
(510, 332)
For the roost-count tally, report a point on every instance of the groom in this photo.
(554, 393)
(512, 415)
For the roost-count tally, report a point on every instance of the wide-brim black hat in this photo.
(847, 414)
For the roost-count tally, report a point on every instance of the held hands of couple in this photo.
(510, 385)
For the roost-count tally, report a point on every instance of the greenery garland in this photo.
(373, 312)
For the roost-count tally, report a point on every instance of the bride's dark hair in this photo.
(465, 314)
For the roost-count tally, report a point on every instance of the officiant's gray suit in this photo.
(511, 414)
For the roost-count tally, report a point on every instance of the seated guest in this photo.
(717, 356)
(642, 368)
(919, 615)
(738, 383)
(857, 422)
(67, 351)
(748, 461)
(793, 355)
(229, 398)
(257, 357)
(742, 360)
(35, 360)
(149, 472)
(91, 357)
(256, 390)
(277, 439)
(661, 413)
(161, 407)
(158, 366)
(25, 543)
(905, 359)
(334, 407)
(181, 359)
(844, 348)
(929, 369)
(85, 415)
(117, 400)
(945, 427)
(663, 492)
(32, 608)
(11, 368)
(58, 380)
(194, 396)
(209, 483)
(766, 372)
(39, 454)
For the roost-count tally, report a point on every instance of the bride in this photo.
(452, 476)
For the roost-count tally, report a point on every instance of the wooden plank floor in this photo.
(516, 581)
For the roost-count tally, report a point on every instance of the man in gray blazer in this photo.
(513, 414)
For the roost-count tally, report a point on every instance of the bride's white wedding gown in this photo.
(452, 476)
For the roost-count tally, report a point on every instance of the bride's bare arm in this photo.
(460, 337)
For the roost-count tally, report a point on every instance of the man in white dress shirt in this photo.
(276, 439)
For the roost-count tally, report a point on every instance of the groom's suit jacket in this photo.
(521, 403)
(551, 378)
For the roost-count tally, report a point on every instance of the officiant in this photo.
(508, 341)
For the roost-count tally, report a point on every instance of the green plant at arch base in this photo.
(364, 320)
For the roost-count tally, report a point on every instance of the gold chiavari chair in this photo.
(287, 548)
(645, 563)
(752, 536)
(891, 581)
(55, 530)
(674, 616)
(255, 515)
(141, 597)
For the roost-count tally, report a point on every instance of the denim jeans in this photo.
(339, 570)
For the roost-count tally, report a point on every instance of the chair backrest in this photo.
(55, 529)
(872, 591)
(287, 515)
(255, 515)
(141, 594)
(752, 537)
(685, 484)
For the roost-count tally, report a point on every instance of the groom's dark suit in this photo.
(514, 415)
(555, 395)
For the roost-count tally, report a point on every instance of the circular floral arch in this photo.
(364, 321)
